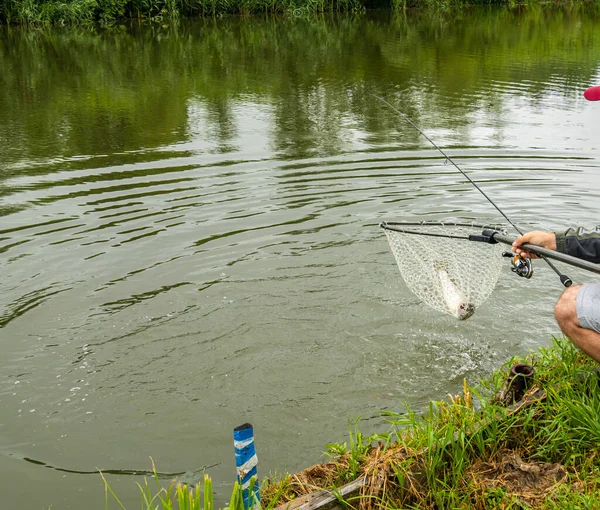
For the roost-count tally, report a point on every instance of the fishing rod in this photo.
(522, 263)
(492, 236)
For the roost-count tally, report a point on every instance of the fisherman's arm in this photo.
(577, 242)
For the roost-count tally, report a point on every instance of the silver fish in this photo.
(458, 306)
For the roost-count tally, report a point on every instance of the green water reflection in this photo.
(188, 232)
(69, 92)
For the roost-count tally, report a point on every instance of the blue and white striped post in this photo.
(245, 463)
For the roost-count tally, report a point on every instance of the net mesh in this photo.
(443, 268)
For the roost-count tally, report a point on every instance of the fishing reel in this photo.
(519, 265)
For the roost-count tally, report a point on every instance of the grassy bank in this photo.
(475, 450)
(111, 11)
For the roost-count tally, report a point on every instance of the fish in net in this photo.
(442, 267)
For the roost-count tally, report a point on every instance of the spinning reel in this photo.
(519, 265)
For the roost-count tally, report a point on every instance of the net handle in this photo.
(396, 226)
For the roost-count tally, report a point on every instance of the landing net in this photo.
(442, 267)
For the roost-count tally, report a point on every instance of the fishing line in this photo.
(565, 280)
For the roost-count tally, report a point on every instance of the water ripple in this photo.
(197, 247)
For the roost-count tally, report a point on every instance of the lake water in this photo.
(189, 230)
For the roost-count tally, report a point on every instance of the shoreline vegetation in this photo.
(68, 12)
(485, 448)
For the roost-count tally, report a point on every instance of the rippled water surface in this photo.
(189, 239)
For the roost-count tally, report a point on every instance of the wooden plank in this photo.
(322, 498)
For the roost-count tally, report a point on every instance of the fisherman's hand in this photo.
(544, 239)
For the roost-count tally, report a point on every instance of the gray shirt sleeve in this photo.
(580, 242)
